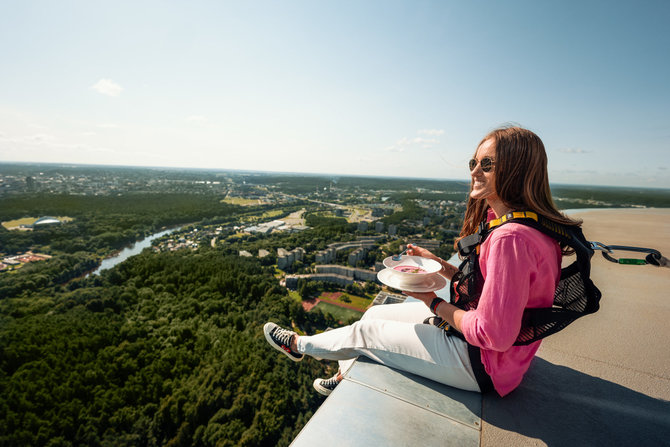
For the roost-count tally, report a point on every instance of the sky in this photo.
(379, 88)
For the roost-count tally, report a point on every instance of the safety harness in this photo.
(575, 295)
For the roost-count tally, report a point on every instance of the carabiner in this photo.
(655, 254)
(600, 246)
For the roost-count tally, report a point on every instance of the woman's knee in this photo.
(367, 329)
(397, 312)
(373, 312)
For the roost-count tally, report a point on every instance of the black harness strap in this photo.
(474, 354)
(575, 295)
(483, 379)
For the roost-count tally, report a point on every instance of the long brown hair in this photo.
(521, 179)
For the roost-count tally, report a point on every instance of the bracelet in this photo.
(433, 305)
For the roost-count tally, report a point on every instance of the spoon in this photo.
(398, 257)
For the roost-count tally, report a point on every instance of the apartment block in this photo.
(285, 258)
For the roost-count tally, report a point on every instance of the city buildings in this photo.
(363, 243)
(285, 258)
(388, 298)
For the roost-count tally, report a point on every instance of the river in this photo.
(127, 252)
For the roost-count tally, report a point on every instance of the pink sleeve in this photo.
(508, 269)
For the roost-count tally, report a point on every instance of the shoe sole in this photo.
(266, 331)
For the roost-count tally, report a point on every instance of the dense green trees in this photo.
(410, 211)
(333, 223)
(165, 349)
(44, 276)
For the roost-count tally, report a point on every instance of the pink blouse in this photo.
(521, 268)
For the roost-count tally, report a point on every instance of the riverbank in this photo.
(136, 247)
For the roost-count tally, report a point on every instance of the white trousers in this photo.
(394, 335)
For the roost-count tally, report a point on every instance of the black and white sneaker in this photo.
(280, 339)
(326, 386)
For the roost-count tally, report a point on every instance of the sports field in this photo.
(339, 313)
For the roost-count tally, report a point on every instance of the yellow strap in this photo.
(444, 324)
(509, 216)
(513, 215)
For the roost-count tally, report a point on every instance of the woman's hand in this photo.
(447, 270)
(415, 250)
(426, 297)
(452, 314)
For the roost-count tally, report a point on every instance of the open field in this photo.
(339, 313)
(336, 298)
(271, 214)
(296, 218)
(359, 215)
(241, 201)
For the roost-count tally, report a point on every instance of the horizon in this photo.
(302, 174)
(373, 89)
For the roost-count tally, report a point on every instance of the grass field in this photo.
(271, 213)
(339, 313)
(357, 301)
(240, 201)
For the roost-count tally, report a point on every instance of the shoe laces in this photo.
(330, 383)
(283, 336)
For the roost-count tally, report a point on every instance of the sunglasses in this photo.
(486, 163)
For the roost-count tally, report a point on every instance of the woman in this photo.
(520, 267)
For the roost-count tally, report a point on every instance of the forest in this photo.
(164, 349)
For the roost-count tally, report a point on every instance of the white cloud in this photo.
(30, 140)
(431, 132)
(196, 119)
(425, 141)
(418, 141)
(107, 87)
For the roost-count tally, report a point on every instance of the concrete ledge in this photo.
(561, 406)
(379, 406)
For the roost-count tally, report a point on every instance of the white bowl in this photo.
(412, 269)
(431, 283)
